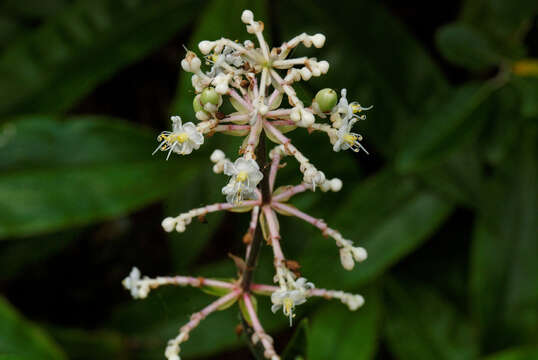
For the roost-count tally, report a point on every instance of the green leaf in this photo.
(503, 21)
(20, 339)
(388, 215)
(338, 333)
(90, 345)
(422, 325)
(445, 128)
(297, 346)
(504, 276)
(465, 46)
(521, 353)
(58, 174)
(64, 59)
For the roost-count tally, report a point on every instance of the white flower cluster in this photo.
(139, 288)
(349, 254)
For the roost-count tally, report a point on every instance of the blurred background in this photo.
(445, 204)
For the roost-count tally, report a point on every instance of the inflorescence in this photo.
(253, 81)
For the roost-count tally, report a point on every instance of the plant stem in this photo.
(252, 259)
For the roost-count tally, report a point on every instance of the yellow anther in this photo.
(213, 57)
(182, 137)
(350, 138)
(242, 176)
(356, 108)
(288, 306)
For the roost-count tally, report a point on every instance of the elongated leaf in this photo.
(68, 56)
(59, 174)
(445, 128)
(337, 333)
(388, 215)
(19, 339)
(504, 276)
(465, 46)
(90, 345)
(422, 325)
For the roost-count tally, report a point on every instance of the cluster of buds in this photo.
(252, 80)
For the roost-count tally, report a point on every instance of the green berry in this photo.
(196, 104)
(209, 95)
(326, 99)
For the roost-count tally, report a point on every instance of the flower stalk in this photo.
(256, 81)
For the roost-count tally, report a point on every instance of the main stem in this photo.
(255, 246)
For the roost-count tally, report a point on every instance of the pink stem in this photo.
(231, 127)
(252, 227)
(320, 224)
(270, 217)
(273, 96)
(278, 113)
(292, 191)
(197, 317)
(274, 169)
(258, 329)
(240, 117)
(239, 99)
(265, 289)
(192, 281)
(254, 135)
(283, 123)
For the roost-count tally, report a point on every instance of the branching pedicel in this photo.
(251, 78)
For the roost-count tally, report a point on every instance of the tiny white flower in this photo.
(346, 258)
(288, 298)
(183, 139)
(217, 156)
(245, 176)
(347, 139)
(353, 301)
(318, 40)
(138, 287)
(336, 184)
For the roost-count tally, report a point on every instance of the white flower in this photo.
(183, 139)
(352, 301)
(245, 176)
(347, 139)
(138, 287)
(292, 294)
(348, 110)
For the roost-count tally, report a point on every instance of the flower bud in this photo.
(206, 46)
(217, 156)
(247, 16)
(168, 224)
(305, 74)
(202, 115)
(346, 259)
(323, 66)
(318, 40)
(209, 95)
(359, 254)
(326, 99)
(336, 184)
